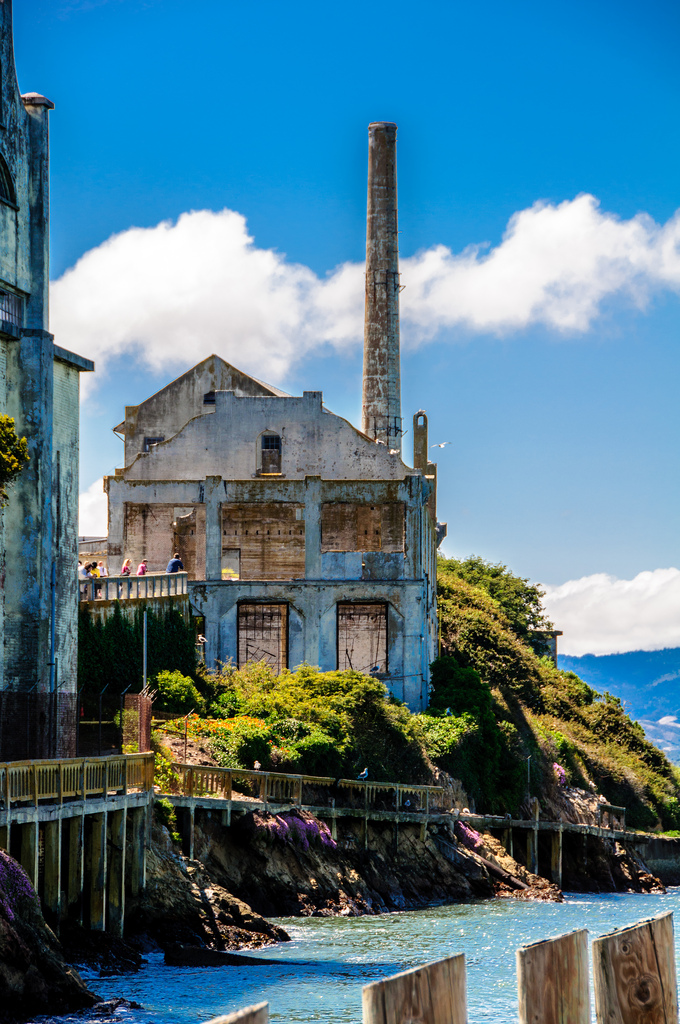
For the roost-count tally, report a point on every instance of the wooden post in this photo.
(552, 980)
(96, 864)
(251, 1015)
(634, 974)
(138, 851)
(52, 872)
(76, 867)
(433, 994)
(556, 858)
(116, 873)
(29, 851)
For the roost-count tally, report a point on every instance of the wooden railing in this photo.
(310, 790)
(126, 588)
(74, 778)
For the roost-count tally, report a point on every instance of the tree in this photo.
(520, 600)
(13, 455)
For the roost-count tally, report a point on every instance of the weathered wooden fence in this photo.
(633, 976)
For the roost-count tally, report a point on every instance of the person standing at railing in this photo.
(126, 568)
(175, 564)
(103, 571)
(141, 568)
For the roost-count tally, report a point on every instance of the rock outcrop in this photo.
(34, 977)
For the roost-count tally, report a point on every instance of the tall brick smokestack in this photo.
(381, 400)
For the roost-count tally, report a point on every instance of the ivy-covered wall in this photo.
(110, 652)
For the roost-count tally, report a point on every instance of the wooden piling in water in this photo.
(433, 994)
(258, 1014)
(634, 974)
(552, 980)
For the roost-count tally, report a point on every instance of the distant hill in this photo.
(648, 682)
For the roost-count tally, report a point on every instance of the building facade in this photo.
(39, 387)
(306, 540)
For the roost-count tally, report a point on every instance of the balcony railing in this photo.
(74, 778)
(130, 588)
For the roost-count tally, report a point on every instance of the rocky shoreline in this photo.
(205, 910)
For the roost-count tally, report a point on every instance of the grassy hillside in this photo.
(495, 702)
(540, 711)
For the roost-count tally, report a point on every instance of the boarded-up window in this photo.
(263, 634)
(362, 637)
(270, 538)
(346, 527)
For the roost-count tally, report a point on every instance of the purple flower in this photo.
(468, 836)
(560, 774)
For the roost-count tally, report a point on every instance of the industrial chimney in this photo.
(381, 400)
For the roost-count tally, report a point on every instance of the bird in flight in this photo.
(442, 444)
(364, 775)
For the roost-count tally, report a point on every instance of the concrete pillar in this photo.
(52, 875)
(138, 850)
(214, 492)
(116, 873)
(313, 529)
(76, 868)
(507, 842)
(556, 858)
(29, 851)
(95, 860)
(381, 398)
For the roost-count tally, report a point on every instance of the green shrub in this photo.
(178, 693)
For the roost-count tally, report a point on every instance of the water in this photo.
(322, 970)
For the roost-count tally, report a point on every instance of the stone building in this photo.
(39, 387)
(305, 538)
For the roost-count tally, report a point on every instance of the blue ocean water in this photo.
(319, 975)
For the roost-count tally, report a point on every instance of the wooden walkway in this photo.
(230, 791)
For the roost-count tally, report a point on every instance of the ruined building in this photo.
(39, 387)
(305, 539)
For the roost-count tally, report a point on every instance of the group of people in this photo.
(91, 570)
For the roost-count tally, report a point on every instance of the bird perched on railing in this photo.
(363, 776)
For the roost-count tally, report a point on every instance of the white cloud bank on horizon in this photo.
(172, 294)
(92, 511)
(601, 614)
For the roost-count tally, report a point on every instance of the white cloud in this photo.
(92, 511)
(601, 614)
(172, 293)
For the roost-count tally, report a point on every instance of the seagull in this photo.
(363, 776)
(442, 444)
(394, 451)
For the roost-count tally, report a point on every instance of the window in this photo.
(149, 442)
(263, 634)
(362, 637)
(11, 308)
(348, 527)
(209, 398)
(6, 184)
(271, 453)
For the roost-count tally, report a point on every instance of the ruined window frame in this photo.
(282, 662)
(383, 671)
(8, 192)
(261, 449)
(150, 442)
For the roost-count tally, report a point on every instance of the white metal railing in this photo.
(130, 588)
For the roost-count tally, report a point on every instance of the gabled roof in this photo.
(274, 392)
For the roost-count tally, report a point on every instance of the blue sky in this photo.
(563, 462)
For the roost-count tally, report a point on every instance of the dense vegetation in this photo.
(538, 710)
(495, 702)
(110, 653)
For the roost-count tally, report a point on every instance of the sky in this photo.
(209, 195)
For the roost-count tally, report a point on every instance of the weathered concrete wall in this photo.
(65, 468)
(313, 442)
(100, 611)
(166, 412)
(662, 857)
(39, 525)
